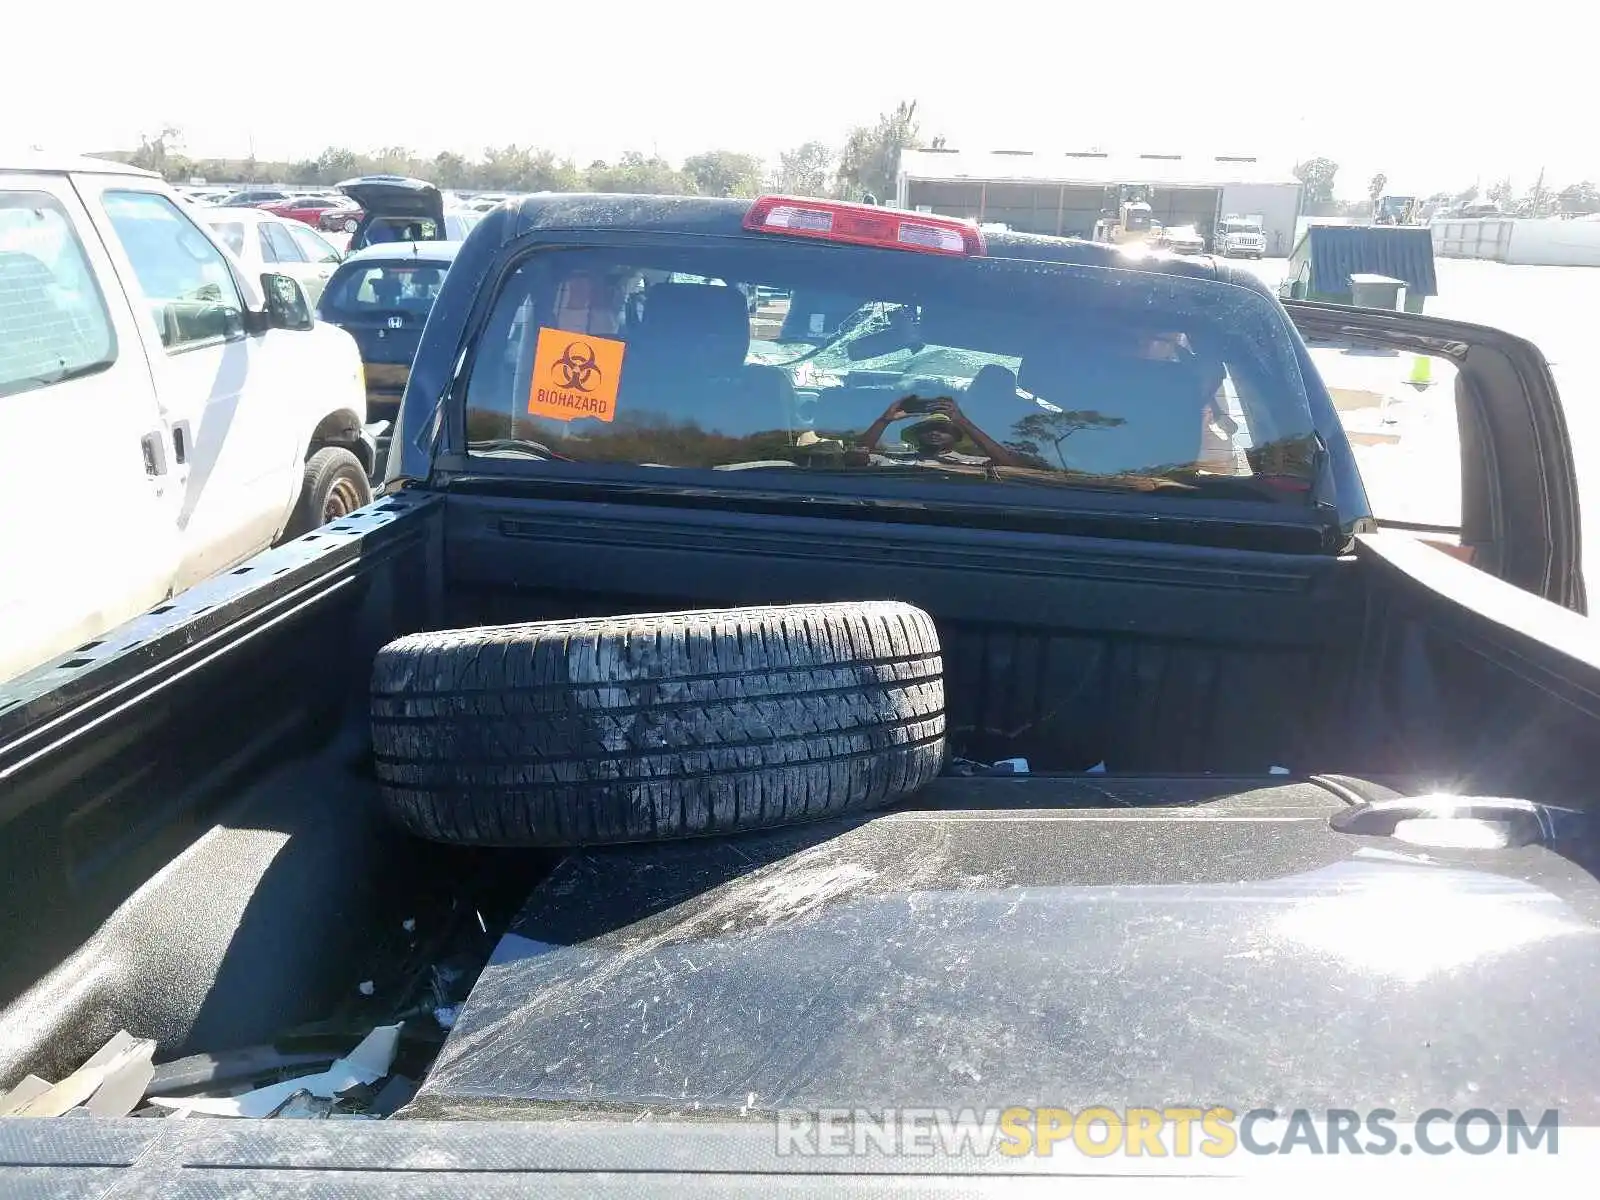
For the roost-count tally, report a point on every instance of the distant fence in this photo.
(1522, 241)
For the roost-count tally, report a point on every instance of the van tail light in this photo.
(863, 225)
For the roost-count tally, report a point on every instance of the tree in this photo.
(1035, 429)
(1503, 194)
(1317, 175)
(395, 160)
(451, 170)
(1540, 202)
(870, 161)
(1376, 186)
(516, 169)
(638, 173)
(724, 173)
(803, 171)
(338, 163)
(160, 154)
(1582, 198)
(1467, 195)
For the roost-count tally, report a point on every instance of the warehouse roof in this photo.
(1089, 168)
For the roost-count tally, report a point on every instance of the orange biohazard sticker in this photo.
(575, 375)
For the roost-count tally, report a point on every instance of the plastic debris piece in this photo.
(409, 924)
(392, 1096)
(1276, 770)
(83, 1083)
(367, 1063)
(446, 1015)
(1098, 769)
(302, 1105)
(965, 768)
(30, 1088)
(124, 1087)
(229, 1069)
(1015, 766)
(365, 987)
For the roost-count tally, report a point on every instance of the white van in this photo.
(165, 416)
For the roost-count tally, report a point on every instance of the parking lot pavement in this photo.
(1553, 307)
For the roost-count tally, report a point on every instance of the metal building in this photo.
(1065, 194)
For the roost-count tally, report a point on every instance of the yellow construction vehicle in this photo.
(1133, 224)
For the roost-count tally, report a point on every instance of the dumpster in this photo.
(1375, 291)
(1327, 256)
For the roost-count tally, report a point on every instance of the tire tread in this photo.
(657, 726)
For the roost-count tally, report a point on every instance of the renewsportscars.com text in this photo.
(1173, 1131)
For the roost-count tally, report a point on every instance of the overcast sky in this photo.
(1434, 96)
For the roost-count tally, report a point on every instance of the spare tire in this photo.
(640, 728)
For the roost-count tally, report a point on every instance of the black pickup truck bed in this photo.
(214, 875)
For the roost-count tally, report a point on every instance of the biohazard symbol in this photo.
(577, 368)
(575, 375)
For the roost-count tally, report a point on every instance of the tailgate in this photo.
(386, 354)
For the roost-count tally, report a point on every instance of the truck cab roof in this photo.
(716, 216)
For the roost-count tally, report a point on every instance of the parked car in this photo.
(251, 197)
(310, 210)
(181, 413)
(201, 195)
(1152, 784)
(396, 208)
(345, 219)
(264, 241)
(1183, 239)
(382, 296)
(1240, 237)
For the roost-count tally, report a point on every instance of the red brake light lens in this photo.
(863, 225)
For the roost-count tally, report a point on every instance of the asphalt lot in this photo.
(1555, 308)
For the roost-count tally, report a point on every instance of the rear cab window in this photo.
(841, 367)
(52, 311)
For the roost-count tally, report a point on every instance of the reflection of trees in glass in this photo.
(1036, 430)
(1293, 457)
(640, 440)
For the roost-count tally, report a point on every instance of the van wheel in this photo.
(334, 486)
(632, 729)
